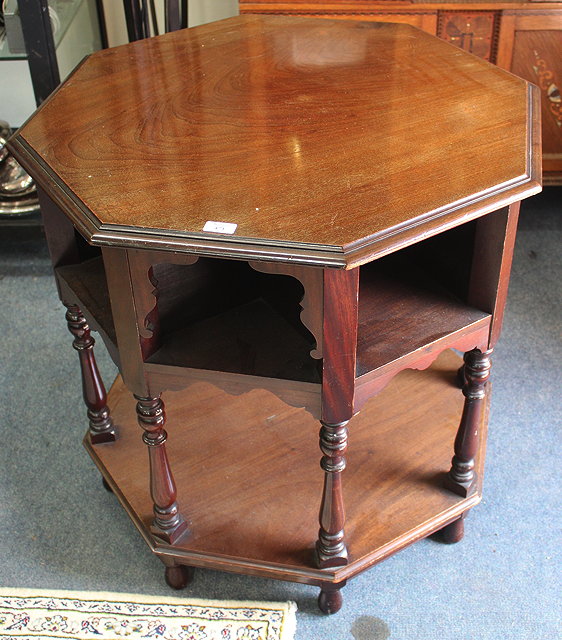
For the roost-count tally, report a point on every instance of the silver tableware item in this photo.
(14, 181)
(4, 135)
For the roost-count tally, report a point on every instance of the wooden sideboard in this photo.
(522, 37)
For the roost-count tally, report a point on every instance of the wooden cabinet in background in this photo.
(473, 31)
(531, 47)
(522, 37)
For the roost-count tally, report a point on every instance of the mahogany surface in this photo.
(491, 265)
(331, 548)
(363, 248)
(462, 478)
(396, 450)
(330, 599)
(421, 313)
(521, 36)
(86, 283)
(338, 167)
(93, 389)
(178, 577)
(168, 523)
(340, 304)
(452, 533)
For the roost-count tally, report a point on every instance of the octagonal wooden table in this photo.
(266, 219)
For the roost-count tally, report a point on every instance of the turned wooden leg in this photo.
(330, 599)
(168, 523)
(460, 379)
(330, 547)
(462, 478)
(178, 576)
(93, 390)
(453, 532)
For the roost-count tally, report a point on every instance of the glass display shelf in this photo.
(63, 13)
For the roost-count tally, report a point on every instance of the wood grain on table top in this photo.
(367, 7)
(306, 134)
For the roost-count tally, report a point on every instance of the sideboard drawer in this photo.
(473, 31)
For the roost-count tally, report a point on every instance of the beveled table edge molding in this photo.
(326, 256)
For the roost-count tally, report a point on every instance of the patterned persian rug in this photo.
(76, 615)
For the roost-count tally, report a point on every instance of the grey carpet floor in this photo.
(60, 529)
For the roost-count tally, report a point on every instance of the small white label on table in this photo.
(220, 227)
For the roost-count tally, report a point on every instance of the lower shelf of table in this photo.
(249, 481)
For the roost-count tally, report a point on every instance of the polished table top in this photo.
(318, 141)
